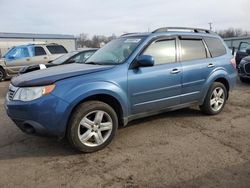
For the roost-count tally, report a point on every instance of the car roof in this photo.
(33, 44)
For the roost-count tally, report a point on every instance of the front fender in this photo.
(75, 95)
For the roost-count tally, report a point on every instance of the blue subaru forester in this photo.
(131, 77)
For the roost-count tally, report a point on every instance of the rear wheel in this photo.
(2, 74)
(215, 99)
(92, 126)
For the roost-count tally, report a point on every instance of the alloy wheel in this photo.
(217, 99)
(95, 128)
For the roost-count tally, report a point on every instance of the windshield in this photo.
(116, 51)
(63, 58)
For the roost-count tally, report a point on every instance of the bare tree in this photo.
(95, 42)
(233, 32)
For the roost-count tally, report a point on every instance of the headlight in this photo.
(32, 93)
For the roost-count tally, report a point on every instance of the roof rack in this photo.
(127, 34)
(196, 30)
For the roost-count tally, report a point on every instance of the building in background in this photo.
(235, 41)
(8, 40)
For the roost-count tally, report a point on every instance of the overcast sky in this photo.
(115, 16)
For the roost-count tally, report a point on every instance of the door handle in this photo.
(175, 71)
(28, 59)
(210, 65)
(45, 58)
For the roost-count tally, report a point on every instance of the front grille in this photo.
(11, 92)
(247, 68)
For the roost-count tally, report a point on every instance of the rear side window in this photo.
(39, 51)
(215, 46)
(192, 49)
(163, 51)
(56, 49)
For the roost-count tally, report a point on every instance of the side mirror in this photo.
(248, 51)
(145, 61)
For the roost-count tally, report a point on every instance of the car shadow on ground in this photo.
(34, 146)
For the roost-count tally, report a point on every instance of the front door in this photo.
(157, 87)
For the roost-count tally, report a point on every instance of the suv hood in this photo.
(53, 74)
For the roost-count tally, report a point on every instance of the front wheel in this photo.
(215, 99)
(92, 126)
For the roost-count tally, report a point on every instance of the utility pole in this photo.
(210, 26)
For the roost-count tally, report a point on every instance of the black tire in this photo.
(206, 107)
(244, 80)
(82, 111)
(2, 74)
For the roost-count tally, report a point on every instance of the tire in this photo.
(244, 80)
(213, 103)
(2, 74)
(92, 126)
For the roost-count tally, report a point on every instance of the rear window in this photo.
(192, 49)
(56, 49)
(215, 46)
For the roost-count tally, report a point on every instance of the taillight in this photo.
(233, 63)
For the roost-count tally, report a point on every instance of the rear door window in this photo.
(163, 51)
(56, 49)
(215, 46)
(192, 49)
(39, 51)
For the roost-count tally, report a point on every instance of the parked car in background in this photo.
(23, 55)
(78, 56)
(133, 76)
(244, 69)
(243, 51)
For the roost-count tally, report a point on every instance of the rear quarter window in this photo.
(215, 46)
(56, 49)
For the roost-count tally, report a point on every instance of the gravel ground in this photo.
(177, 149)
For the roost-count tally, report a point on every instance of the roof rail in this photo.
(196, 30)
(127, 34)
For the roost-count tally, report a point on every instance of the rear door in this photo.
(157, 87)
(196, 67)
(198, 58)
(39, 55)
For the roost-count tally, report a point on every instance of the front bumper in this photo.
(43, 116)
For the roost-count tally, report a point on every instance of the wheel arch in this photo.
(106, 98)
(217, 76)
